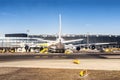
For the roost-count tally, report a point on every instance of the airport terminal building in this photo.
(114, 40)
(87, 39)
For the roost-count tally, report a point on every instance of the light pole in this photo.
(87, 40)
(28, 32)
(27, 35)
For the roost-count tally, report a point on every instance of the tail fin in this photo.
(59, 26)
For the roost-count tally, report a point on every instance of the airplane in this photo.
(59, 44)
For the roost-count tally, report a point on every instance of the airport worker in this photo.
(26, 48)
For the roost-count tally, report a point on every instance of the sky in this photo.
(42, 16)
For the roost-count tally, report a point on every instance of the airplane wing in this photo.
(48, 41)
(71, 41)
(96, 44)
(103, 43)
(67, 41)
(43, 40)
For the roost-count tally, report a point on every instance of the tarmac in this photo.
(86, 62)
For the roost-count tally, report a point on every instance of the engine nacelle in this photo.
(78, 48)
(92, 47)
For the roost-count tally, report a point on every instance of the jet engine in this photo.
(92, 47)
(78, 48)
